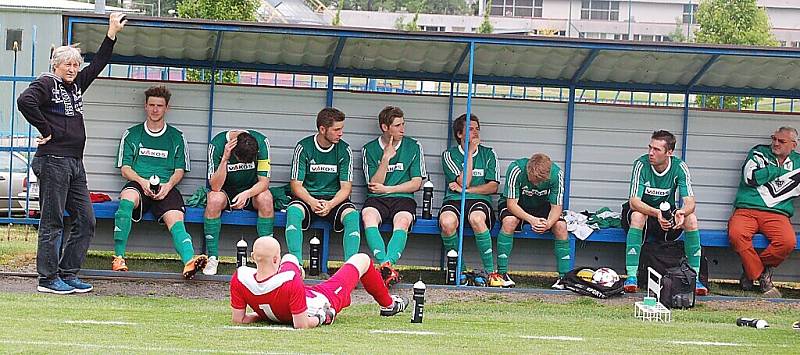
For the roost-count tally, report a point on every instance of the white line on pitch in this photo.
(408, 332)
(61, 345)
(250, 327)
(100, 322)
(543, 337)
(709, 343)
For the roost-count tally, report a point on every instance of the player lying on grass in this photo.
(275, 289)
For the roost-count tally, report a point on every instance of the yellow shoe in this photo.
(197, 263)
(496, 280)
(119, 264)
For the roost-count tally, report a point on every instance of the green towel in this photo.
(603, 223)
(198, 198)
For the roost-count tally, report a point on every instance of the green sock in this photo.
(691, 246)
(351, 239)
(264, 226)
(450, 242)
(505, 242)
(375, 243)
(294, 231)
(484, 242)
(122, 226)
(561, 250)
(633, 247)
(211, 227)
(396, 246)
(182, 241)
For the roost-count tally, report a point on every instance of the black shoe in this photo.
(745, 283)
(399, 304)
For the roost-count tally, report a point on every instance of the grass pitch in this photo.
(37, 323)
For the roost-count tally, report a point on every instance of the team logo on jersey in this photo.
(323, 168)
(531, 192)
(241, 166)
(153, 153)
(398, 167)
(652, 191)
(477, 172)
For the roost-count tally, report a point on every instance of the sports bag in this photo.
(572, 282)
(677, 286)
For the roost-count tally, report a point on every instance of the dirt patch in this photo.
(219, 291)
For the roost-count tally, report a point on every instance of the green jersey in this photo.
(240, 176)
(320, 169)
(767, 185)
(407, 163)
(484, 170)
(529, 195)
(153, 153)
(654, 187)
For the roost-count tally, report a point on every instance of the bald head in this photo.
(266, 249)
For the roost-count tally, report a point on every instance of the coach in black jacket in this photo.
(53, 103)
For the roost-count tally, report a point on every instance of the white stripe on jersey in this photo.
(560, 197)
(689, 189)
(350, 165)
(122, 148)
(448, 159)
(496, 168)
(269, 156)
(246, 276)
(210, 161)
(296, 161)
(186, 153)
(364, 165)
(423, 170)
(637, 169)
(512, 183)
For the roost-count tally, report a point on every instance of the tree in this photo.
(739, 22)
(486, 25)
(337, 19)
(231, 10)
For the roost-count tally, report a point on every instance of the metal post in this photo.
(568, 163)
(685, 136)
(464, 171)
(630, 35)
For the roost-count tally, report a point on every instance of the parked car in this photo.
(24, 185)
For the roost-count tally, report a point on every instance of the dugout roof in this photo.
(498, 59)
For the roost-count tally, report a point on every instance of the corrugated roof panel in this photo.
(278, 49)
(757, 73)
(396, 55)
(151, 42)
(526, 62)
(644, 67)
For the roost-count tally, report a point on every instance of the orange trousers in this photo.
(775, 226)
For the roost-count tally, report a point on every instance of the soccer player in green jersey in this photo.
(655, 179)
(321, 182)
(768, 185)
(238, 174)
(481, 183)
(534, 194)
(152, 151)
(394, 166)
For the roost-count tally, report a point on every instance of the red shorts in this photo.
(338, 288)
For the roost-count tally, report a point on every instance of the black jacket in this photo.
(56, 108)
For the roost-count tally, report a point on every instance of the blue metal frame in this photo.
(685, 135)
(464, 171)
(569, 144)
(585, 66)
(332, 69)
(702, 71)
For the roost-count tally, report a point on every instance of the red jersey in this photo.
(277, 297)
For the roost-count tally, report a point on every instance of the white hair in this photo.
(790, 130)
(65, 54)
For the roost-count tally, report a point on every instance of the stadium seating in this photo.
(709, 238)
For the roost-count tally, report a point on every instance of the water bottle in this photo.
(666, 213)
(452, 265)
(155, 184)
(427, 199)
(313, 261)
(241, 253)
(752, 322)
(419, 302)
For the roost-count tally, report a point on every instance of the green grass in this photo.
(38, 324)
